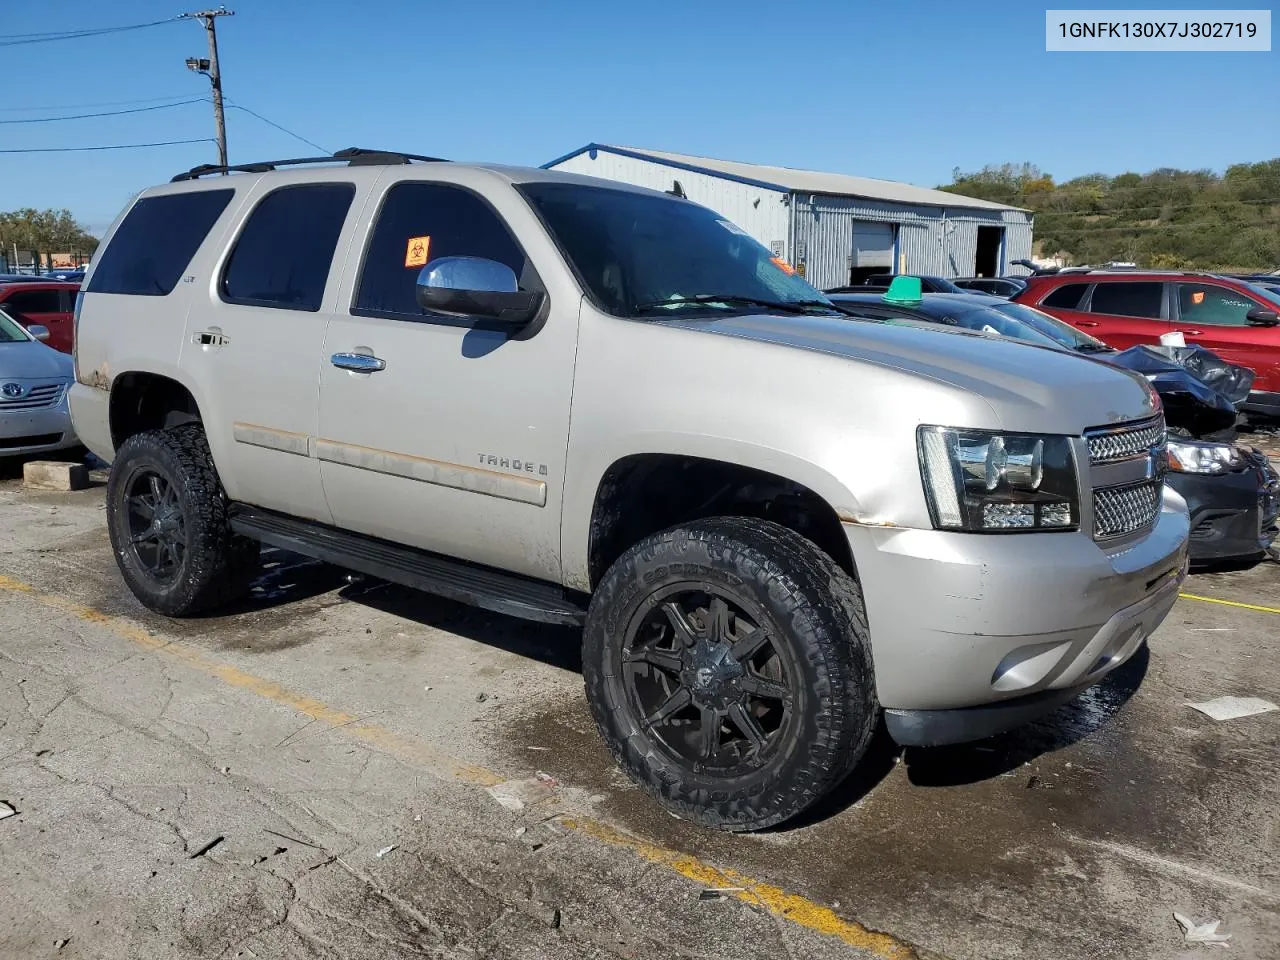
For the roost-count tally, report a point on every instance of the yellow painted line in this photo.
(780, 903)
(776, 901)
(378, 737)
(1230, 603)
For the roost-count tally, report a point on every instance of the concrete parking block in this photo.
(52, 475)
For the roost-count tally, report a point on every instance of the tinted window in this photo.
(641, 254)
(1267, 291)
(1218, 306)
(284, 252)
(1127, 299)
(156, 241)
(439, 221)
(1067, 296)
(34, 301)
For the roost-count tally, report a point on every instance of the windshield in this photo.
(969, 316)
(1271, 296)
(645, 255)
(1058, 330)
(942, 285)
(10, 331)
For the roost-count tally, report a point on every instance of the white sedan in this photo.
(34, 381)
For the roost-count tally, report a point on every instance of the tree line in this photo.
(43, 232)
(1168, 218)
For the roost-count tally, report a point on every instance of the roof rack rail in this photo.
(354, 156)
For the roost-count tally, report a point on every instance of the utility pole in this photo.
(210, 69)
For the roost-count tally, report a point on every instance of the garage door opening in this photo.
(987, 262)
(873, 244)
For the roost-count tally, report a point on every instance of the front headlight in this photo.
(990, 482)
(1193, 456)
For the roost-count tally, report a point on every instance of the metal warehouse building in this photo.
(838, 229)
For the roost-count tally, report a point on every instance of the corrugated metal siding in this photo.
(931, 240)
(761, 212)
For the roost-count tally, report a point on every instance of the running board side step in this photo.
(469, 583)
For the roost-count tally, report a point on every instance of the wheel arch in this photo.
(639, 493)
(150, 400)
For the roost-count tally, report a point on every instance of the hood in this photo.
(1030, 388)
(32, 360)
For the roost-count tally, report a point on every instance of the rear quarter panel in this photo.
(119, 334)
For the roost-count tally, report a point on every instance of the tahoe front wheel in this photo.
(728, 668)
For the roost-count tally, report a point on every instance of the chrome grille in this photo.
(37, 398)
(1125, 442)
(1130, 506)
(1121, 510)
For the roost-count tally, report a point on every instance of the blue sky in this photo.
(904, 91)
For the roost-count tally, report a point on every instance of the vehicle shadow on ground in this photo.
(1070, 723)
(556, 646)
(286, 578)
(981, 760)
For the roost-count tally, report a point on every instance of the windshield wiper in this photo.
(1094, 348)
(785, 306)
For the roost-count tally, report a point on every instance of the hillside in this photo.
(1178, 219)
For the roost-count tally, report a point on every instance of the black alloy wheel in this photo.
(712, 688)
(157, 526)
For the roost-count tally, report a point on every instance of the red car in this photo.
(1235, 319)
(46, 302)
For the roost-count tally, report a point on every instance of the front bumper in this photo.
(1118, 640)
(23, 432)
(1233, 515)
(963, 620)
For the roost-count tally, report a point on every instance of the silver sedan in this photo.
(34, 381)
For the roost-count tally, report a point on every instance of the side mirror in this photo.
(39, 331)
(475, 287)
(1262, 317)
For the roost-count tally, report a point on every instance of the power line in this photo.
(254, 113)
(19, 39)
(112, 146)
(109, 113)
(91, 106)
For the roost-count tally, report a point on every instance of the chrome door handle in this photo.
(358, 362)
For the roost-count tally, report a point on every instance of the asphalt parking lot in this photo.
(319, 774)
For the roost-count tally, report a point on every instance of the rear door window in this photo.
(155, 242)
(23, 302)
(1213, 305)
(1124, 299)
(1067, 296)
(283, 255)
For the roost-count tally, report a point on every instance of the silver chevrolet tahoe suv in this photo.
(589, 404)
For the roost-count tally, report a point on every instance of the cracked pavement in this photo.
(328, 720)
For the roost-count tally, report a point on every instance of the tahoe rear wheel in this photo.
(728, 669)
(167, 517)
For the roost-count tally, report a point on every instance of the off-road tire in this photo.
(813, 604)
(218, 564)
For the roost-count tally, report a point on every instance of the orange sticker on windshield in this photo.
(1197, 297)
(415, 254)
(782, 265)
